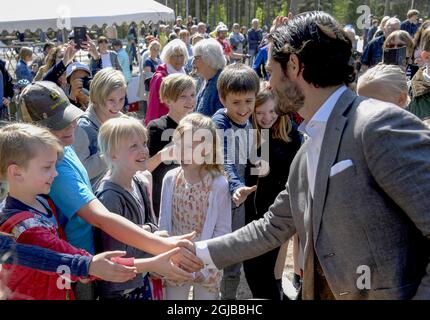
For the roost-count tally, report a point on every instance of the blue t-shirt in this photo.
(70, 191)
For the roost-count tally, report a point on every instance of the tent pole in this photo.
(64, 35)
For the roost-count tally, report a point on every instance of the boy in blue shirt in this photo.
(238, 86)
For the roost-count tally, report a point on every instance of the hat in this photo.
(45, 103)
(221, 27)
(21, 84)
(76, 66)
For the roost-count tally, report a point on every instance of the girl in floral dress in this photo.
(196, 197)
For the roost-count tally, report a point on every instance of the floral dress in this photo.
(189, 209)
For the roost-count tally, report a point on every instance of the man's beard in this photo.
(289, 97)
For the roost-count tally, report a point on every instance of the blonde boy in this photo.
(28, 155)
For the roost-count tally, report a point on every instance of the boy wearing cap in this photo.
(78, 208)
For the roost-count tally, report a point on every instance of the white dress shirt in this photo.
(313, 130)
(106, 63)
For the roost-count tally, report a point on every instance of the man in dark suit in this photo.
(358, 190)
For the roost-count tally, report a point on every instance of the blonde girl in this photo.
(126, 190)
(196, 196)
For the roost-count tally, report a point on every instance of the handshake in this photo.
(177, 261)
(180, 262)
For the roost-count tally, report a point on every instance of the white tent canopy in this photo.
(53, 14)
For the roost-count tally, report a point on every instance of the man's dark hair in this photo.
(322, 47)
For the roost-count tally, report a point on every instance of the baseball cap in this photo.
(221, 27)
(45, 103)
(76, 66)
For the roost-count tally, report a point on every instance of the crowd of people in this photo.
(243, 140)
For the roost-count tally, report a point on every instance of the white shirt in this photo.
(314, 130)
(171, 70)
(106, 63)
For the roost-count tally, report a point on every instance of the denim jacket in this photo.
(23, 71)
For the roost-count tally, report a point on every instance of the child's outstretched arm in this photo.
(80, 266)
(127, 232)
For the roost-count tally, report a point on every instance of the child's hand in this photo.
(188, 236)
(186, 258)
(103, 268)
(69, 53)
(164, 266)
(262, 168)
(241, 194)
